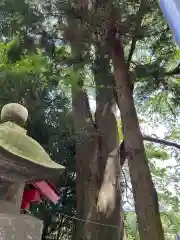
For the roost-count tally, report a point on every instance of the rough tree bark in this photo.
(145, 196)
(86, 149)
(97, 158)
(86, 162)
(86, 140)
(109, 200)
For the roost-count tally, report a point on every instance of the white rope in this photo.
(87, 221)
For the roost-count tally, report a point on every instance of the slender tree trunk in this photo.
(146, 202)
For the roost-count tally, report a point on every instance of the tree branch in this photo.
(161, 141)
(140, 15)
(148, 139)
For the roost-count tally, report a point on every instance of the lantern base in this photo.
(20, 227)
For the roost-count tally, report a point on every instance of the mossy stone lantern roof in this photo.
(19, 153)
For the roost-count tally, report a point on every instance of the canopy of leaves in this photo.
(36, 70)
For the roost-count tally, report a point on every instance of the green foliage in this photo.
(37, 69)
(170, 221)
(131, 226)
(156, 153)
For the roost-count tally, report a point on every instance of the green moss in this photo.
(120, 135)
(14, 139)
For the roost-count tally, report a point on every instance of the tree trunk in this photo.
(145, 196)
(98, 167)
(109, 197)
(86, 165)
(87, 141)
(97, 161)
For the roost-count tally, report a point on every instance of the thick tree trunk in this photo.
(109, 197)
(87, 168)
(145, 196)
(98, 166)
(97, 163)
(87, 143)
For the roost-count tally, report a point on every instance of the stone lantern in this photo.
(22, 159)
